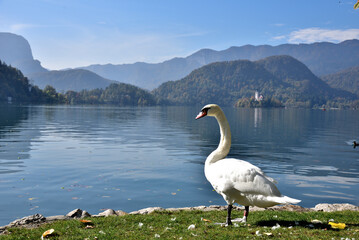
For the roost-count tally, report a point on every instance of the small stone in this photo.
(325, 207)
(57, 217)
(37, 218)
(148, 210)
(108, 212)
(76, 213)
(85, 214)
(121, 213)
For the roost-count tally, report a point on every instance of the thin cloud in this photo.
(20, 26)
(279, 37)
(278, 24)
(310, 35)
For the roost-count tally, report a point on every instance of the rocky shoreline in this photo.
(38, 219)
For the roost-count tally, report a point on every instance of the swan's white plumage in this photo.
(236, 180)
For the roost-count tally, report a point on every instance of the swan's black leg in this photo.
(246, 212)
(229, 210)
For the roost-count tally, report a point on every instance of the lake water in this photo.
(54, 159)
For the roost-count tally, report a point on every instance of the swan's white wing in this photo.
(235, 178)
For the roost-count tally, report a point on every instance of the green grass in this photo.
(174, 225)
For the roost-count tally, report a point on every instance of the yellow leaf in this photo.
(337, 225)
(85, 221)
(356, 5)
(48, 232)
(206, 220)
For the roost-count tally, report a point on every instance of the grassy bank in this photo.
(174, 225)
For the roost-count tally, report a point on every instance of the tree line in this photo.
(15, 87)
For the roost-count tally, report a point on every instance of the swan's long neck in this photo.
(225, 141)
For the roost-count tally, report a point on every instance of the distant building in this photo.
(258, 97)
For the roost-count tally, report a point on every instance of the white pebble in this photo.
(191, 227)
(276, 226)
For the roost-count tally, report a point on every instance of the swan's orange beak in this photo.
(201, 114)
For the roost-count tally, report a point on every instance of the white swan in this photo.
(236, 180)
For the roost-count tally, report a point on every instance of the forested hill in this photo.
(347, 80)
(281, 77)
(15, 87)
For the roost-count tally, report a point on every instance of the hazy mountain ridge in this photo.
(15, 50)
(73, 79)
(282, 77)
(347, 79)
(321, 58)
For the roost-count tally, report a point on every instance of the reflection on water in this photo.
(57, 158)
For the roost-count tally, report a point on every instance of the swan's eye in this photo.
(205, 110)
(203, 113)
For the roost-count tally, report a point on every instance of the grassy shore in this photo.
(176, 225)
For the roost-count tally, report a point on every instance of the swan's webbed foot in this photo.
(240, 220)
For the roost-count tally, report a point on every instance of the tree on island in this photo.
(264, 103)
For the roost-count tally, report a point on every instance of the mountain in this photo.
(15, 50)
(281, 77)
(15, 87)
(74, 79)
(321, 58)
(347, 79)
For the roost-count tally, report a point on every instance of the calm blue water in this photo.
(54, 159)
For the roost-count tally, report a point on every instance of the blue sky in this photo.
(73, 33)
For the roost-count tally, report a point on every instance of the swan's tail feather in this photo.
(285, 200)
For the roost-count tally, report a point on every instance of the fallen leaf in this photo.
(206, 220)
(337, 225)
(86, 221)
(47, 233)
